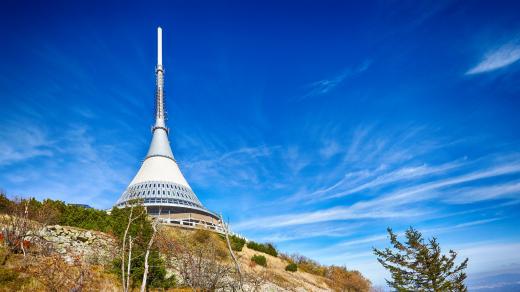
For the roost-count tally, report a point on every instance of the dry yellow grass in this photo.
(275, 271)
(278, 275)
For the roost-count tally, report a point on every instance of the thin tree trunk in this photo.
(237, 265)
(129, 264)
(24, 230)
(124, 246)
(21, 245)
(150, 243)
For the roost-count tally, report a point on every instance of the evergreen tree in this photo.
(416, 265)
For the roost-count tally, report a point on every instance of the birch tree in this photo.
(147, 254)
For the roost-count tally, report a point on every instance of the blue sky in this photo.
(313, 125)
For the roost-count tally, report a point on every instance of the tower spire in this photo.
(160, 145)
(159, 89)
(159, 46)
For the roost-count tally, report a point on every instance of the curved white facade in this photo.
(158, 168)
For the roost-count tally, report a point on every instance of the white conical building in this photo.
(159, 183)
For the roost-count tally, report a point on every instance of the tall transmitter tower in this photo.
(159, 183)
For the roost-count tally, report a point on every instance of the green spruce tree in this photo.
(416, 265)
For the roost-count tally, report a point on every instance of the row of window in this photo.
(169, 201)
(159, 192)
(159, 185)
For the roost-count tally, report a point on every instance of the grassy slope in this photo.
(13, 276)
(279, 276)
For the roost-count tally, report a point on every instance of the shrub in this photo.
(292, 267)
(342, 279)
(308, 265)
(259, 260)
(5, 203)
(267, 248)
(236, 242)
(93, 219)
(51, 212)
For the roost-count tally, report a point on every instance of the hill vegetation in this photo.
(158, 256)
(237, 243)
(259, 260)
(267, 248)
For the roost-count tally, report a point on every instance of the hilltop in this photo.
(40, 252)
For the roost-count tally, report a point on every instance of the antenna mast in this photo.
(159, 90)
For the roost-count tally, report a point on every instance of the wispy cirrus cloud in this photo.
(424, 191)
(326, 215)
(325, 86)
(399, 203)
(368, 158)
(387, 162)
(406, 173)
(503, 56)
(311, 231)
(17, 146)
(237, 167)
(476, 194)
(72, 166)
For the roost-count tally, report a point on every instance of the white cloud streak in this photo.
(386, 206)
(238, 167)
(310, 231)
(501, 57)
(17, 146)
(401, 174)
(325, 215)
(428, 231)
(483, 193)
(325, 86)
(73, 168)
(412, 194)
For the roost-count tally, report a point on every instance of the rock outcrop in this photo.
(95, 247)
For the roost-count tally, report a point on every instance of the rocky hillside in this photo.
(76, 249)
(70, 242)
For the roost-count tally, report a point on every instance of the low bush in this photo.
(307, 265)
(50, 212)
(236, 242)
(267, 248)
(259, 260)
(342, 279)
(292, 267)
(86, 218)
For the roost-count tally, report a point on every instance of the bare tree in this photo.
(201, 260)
(57, 275)
(130, 241)
(255, 279)
(237, 265)
(18, 227)
(148, 248)
(131, 219)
